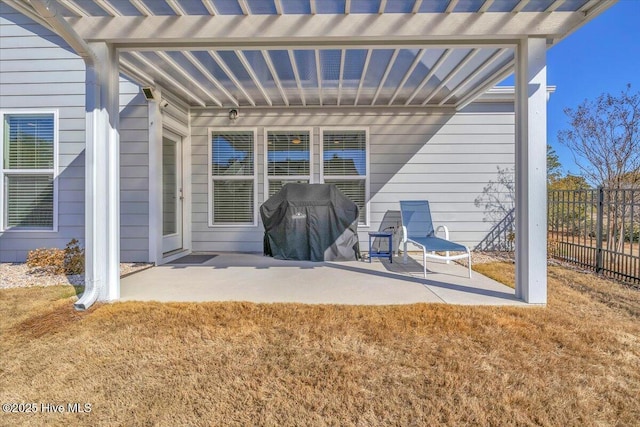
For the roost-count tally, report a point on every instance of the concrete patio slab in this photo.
(260, 279)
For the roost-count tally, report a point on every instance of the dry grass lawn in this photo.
(575, 362)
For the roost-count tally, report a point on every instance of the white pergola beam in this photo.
(176, 66)
(416, 6)
(451, 6)
(319, 74)
(73, 7)
(245, 7)
(142, 8)
(278, 5)
(211, 8)
(175, 6)
(274, 74)
(107, 7)
(406, 76)
(485, 6)
(347, 7)
(474, 74)
(498, 76)
(430, 74)
(168, 78)
(451, 75)
(383, 6)
(343, 53)
(518, 7)
(367, 59)
(531, 171)
(138, 75)
(231, 75)
(205, 72)
(385, 75)
(296, 76)
(553, 6)
(245, 63)
(321, 28)
(313, 7)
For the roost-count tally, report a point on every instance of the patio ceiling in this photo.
(307, 53)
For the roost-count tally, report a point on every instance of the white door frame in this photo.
(159, 121)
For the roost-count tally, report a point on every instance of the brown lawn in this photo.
(575, 362)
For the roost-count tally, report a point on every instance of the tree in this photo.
(554, 167)
(569, 182)
(605, 138)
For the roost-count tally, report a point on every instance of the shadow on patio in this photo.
(256, 278)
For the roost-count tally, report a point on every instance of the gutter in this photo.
(48, 10)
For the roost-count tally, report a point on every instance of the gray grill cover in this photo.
(314, 222)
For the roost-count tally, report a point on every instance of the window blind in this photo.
(29, 201)
(344, 153)
(233, 177)
(233, 201)
(232, 153)
(355, 190)
(28, 141)
(288, 153)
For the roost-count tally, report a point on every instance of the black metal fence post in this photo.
(599, 232)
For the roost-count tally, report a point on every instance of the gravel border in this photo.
(18, 275)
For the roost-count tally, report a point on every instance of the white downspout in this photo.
(48, 10)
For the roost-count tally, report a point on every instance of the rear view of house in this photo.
(152, 129)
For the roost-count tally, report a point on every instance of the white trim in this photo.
(367, 176)
(155, 180)
(267, 177)
(54, 171)
(210, 177)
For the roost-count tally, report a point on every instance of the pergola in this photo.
(413, 54)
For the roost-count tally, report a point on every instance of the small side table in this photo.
(378, 253)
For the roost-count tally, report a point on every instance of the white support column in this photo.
(102, 172)
(531, 171)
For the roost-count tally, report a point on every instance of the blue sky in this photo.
(602, 56)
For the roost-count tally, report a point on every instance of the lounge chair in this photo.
(417, 228)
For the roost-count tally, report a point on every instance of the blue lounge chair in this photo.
(417, 228)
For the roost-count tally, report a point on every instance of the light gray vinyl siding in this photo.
(447, 159)
(134, 174)
(39, 71)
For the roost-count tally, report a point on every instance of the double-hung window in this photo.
(233, 173)
(28, 171)
(288, 159)
(345, 163)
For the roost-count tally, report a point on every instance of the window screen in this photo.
(344, 161)
(288, 158)
(233, 177)
(28, 173)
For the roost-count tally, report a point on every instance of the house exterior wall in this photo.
(414, 154)
(447, 159)
(39, 71)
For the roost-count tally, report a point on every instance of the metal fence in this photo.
(597, 229)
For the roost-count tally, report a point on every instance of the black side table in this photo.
(378, 253)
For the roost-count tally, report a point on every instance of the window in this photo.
(345, 163)
(288, 159)
(28, 161)
(232, 168)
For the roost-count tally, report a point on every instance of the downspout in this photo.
(48, 10)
